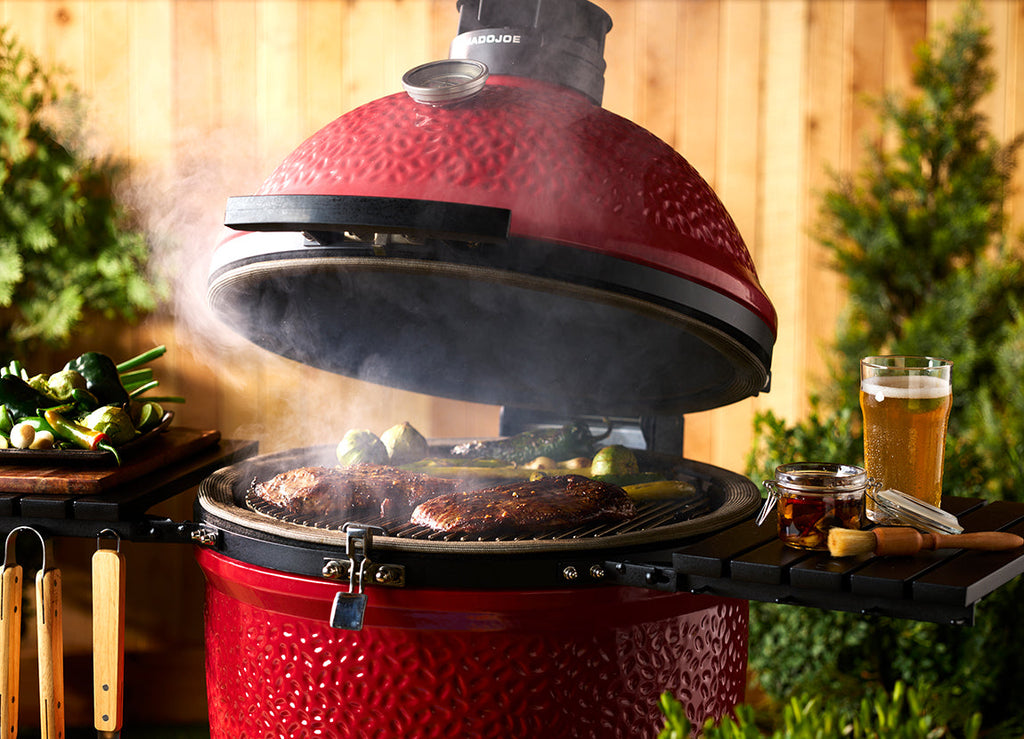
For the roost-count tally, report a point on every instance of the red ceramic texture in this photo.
(449, 663)
(569, 171)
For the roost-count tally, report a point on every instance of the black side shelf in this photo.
(749, 562)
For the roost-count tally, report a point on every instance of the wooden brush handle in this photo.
(902, 540)
(50, 635)
(989, 540)
(108, 601)
(10, 648)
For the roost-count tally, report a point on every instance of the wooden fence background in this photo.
(205, 97)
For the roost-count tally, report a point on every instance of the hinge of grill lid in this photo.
(349, 607)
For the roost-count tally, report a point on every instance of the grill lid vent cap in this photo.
(446, 81)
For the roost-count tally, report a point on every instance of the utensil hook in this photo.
(111, 534)
(10, 552)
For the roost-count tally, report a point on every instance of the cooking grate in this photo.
(651, 515)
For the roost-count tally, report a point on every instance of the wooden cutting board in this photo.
(169, 447)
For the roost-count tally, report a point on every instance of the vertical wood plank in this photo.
(738, 154)
(621, 50)
(697, 58)
(783, 205)
(323, 33)
(827, 107)
(108, 75)
(656, 71)
(865, 75)
(195, 67)
(908, 25)
(698, 131)
(279, 81)
(151, 91)
(1014, 91)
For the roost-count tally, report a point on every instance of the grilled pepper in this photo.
(572, 440)
(101, 377)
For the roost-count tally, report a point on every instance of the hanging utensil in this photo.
(50, 639)
(108, 600)
(49, 636)
(10, 638)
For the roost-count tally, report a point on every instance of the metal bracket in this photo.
(642, 575)
(359, 540)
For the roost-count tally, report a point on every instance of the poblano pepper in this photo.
(21, 399)
(572, 440)
(102, 378)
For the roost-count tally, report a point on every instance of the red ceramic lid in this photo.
(617, 283)
(569, 171)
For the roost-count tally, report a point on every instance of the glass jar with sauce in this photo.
(811, 498)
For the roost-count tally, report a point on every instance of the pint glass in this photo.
(906, 402)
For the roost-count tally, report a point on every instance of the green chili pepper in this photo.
(101, 377)
(84, 400)
(79, 435)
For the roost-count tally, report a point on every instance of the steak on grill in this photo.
(526, 507)
(330, 493)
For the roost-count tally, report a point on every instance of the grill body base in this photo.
(442, 663)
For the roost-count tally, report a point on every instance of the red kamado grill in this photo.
(493, 235)
(490, 234)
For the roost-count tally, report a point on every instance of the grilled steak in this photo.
(526, 507)
(331, 493)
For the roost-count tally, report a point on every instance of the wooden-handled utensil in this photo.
(108, 599)
(10, 638)
(905, 540)
(50, 638)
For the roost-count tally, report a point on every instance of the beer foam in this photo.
(906, 386)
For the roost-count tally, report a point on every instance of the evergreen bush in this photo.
(68, 251)
(920, 235)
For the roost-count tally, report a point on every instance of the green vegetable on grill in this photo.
(404, 443)
(359, 446)
(572, 440)
(614, 460)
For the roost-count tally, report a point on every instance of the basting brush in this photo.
(904, 540)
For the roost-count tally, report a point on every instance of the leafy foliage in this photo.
(905, 713)
(920, 236)
(67, 249)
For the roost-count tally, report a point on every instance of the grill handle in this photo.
(326, 217)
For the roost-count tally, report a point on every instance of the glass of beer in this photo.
(906, 402)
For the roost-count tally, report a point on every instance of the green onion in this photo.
(141, 359)
(136, 377)
(138, 390)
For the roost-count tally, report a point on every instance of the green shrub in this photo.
(68, 251)
(905, 713)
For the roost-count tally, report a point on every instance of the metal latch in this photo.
(349, 608)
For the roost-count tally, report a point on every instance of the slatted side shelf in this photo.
(749, 562)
